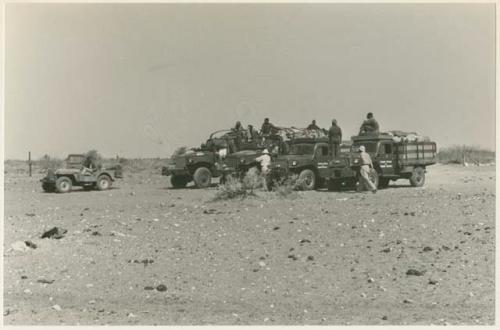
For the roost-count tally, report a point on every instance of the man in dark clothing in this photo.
(89, 165)
(369, 126)
(238, 134)
(267, 127)
(313, 125)
(335, 138)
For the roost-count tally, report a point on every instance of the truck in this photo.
(64, 179)
(201, 164)
(392, 158)
(307, 158)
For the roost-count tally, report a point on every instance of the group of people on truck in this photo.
(334, 133)
(369, 126)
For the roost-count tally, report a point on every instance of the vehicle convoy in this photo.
(62, 180)
(393, 158)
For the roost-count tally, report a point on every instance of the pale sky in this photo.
(139, 80)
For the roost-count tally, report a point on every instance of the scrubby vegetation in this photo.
(465, 155)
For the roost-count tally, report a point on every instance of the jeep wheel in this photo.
(103, 182)
(417, 178)
(48, 187)
(202, 177)
(307, 179)
(383, 183)
(179, 181)
(63, 184)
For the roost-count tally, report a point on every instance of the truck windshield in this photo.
(301, 149)
(369, 146)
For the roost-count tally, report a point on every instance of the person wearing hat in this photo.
(369, 126)
(364, 171)
(265, 162)
(335, 138)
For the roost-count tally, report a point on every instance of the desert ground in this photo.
(145, 254)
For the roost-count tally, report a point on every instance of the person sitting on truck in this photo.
(335, 138)
(265, 162)
(364, 171)
(252, 134)
(313, 126)
(369, 126)
(267, 127)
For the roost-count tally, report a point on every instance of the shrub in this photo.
(288, 186)
(231, 189)
(464, 155)
(49, 163)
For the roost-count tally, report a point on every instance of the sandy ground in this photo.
(319, 258)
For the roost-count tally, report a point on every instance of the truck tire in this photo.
(202, 177)
(63, 184)
(307, 179)
(374, 177)
(103, 182)
(48, 187)
(417, 178)
(179, 181)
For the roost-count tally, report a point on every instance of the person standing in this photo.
(369, 126)
(364, 171)
(335, 138)
(265, 162)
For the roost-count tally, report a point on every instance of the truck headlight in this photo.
(190, 160)
(242, 161)
(356, 161)
(294, 163)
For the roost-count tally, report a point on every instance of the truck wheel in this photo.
(383, 183)
(307, 179)
(48, 187)
(103, 182)
(202, 177)
(417, 178)
(374, 178)
(63, 184)
(178, 181)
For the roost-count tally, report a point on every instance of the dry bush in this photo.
(465, 155)
(231, 189)
(49, 163)
(288, 186)
(235, 188)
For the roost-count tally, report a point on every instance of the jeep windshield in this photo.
(301, 149)
(369, 146)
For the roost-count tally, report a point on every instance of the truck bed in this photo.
(416, 153)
